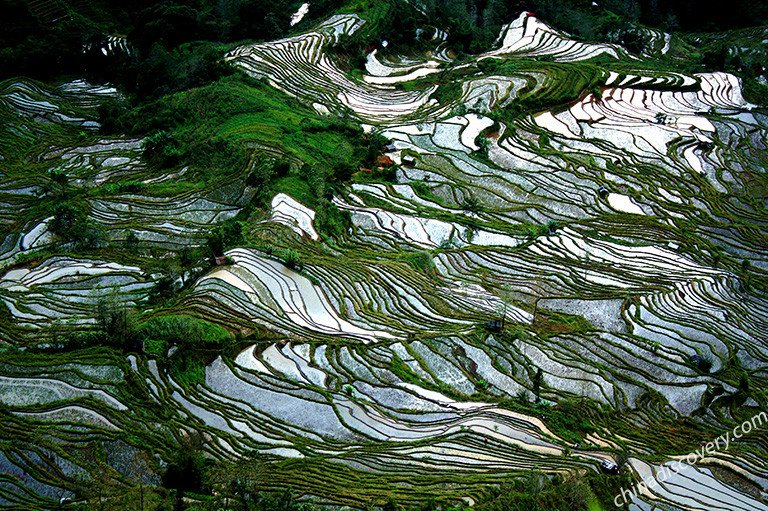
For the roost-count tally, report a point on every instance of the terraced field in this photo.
(568, 267)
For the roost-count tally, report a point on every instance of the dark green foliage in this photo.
(703, 364)
(330, 220)
(55, 48)
(569, 419)
(59, 183)
(473, 25)
(110, 112)
(596, 22)
(155, 347)
(191, 65)
(165, 288)
(125, 187)
(391, 505)
(186, 331)
(755, 91)
(225, 235)
(425, 192)
(574, 81)
(264, 171)
(535, 230)
(187, 369)
(70, 223)
(186, 471)
(539, 492)
(291, 258)
(249, 497)
(422, 261)
(162, 149)
(173, 42)
(574, 418)
(472, 205)
(118, 324)
(447, 93)
(536, 382)
(214, 129)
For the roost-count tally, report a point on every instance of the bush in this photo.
(186, 331)
(422, 261)
(448, 93)
(330, 220)
(187, 370)
(290, 258)
(155, 347)
(185, 472)
(703, 364)
(124, 187)
(225, 235)
(69, 222)
(118, 324)
(162, 149)
(471, 204)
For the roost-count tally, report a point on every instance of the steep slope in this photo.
(568, 267)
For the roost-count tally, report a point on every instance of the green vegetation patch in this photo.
(184, 330)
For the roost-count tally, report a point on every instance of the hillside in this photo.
(387, 254)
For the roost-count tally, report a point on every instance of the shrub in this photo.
(701, 363)
(290, 258)
(69, 222)
(165, 288)
(422, 261)
(187, 370)
(330, 220)
(447, 93)
(155, 347)
(225, 235)
(185, 472)
(124, 187)
(186, 331)
(471, 204)
(162, 149)
(117, 323)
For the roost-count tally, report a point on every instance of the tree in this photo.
(537, 379)
(185, 472)
(118, 323)
(225, 235)
(69, 222)
(291, 258)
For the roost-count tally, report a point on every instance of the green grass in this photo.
(155, 347)
(297, 188)
(421, 261)
(238, 112)
(187, 371)
(238, 126)
(184, 330)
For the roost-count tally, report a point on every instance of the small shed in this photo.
(409, 161)
(609, 467)
(494, 325)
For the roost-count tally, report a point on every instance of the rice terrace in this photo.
(411, 255)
